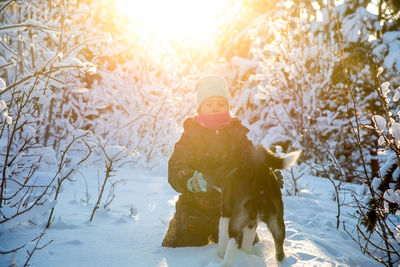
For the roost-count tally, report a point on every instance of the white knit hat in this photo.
(209, 86)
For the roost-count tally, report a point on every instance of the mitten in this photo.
(196, 183)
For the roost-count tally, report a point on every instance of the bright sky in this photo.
(193, 21)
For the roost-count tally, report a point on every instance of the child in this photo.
(210, 140)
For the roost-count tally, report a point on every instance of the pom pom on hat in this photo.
(209, 86)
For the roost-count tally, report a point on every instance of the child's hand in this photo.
(197, 183)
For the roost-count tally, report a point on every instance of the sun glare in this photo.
(190, 21)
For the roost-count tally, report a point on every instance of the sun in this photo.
(189, 21)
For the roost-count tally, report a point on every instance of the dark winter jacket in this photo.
(205, 150)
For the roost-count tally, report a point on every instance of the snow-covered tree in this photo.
(39, 72)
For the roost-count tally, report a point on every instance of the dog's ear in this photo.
(262, 155)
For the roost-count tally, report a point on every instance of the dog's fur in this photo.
(251, 194)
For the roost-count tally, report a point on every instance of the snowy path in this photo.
(115, 238)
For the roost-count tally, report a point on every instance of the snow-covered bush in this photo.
(379, 211)
(127, 108)
(39, 146)
(53, 100)
(300, 90)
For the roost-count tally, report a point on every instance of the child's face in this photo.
(214, 105)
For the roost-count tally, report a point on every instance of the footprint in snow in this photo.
(60, 224)
(126, 219)
(305, 256)
(74, 242)
(328, 248)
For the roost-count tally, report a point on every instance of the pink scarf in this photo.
(214, 122)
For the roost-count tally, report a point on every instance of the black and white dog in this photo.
(250, 195)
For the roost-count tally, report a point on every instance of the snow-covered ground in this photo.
(130, 232)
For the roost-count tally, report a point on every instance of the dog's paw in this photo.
(280, 256)
(221, 249)
(221, 253)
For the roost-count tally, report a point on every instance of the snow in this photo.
(376, 182)
(354, 26)
(130, 231)
(49, 155)
(3, 84)
(141, 103)
(8, 118)
(392, 196)
(395, 129)
(396, 96)
(392, 59)
(3, 105)
(385, 89)
(380, 122)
